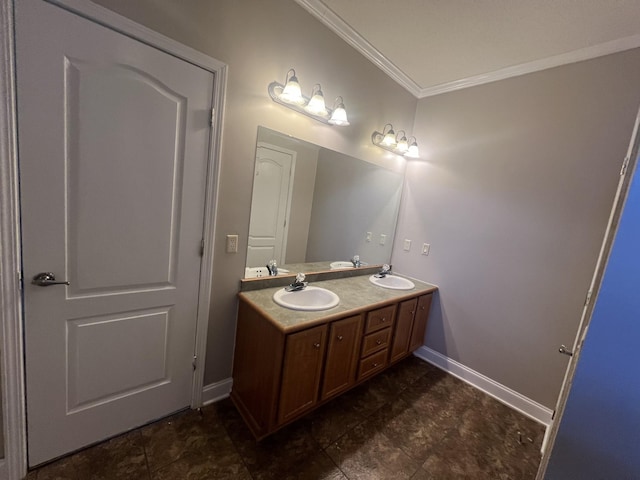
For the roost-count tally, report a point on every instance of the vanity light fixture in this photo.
(398, 144)
(290, 95)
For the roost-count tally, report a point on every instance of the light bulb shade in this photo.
(402, 145)
(316, 105)
(339, 116)
(413, 151)
(389, 139)
(291, 93)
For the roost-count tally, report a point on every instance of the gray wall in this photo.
(260, 40)
(513, 196)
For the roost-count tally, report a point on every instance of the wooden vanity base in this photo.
(278, 376)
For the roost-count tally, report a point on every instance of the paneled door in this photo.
(113, 149)
(270, 206)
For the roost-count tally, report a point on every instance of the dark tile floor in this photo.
(411, 422)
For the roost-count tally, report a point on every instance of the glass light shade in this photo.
(316, 105)
(413, 151)
(403, 145)
(339, 116)
(291, 92)
(389, 140)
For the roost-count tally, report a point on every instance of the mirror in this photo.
(312, 206)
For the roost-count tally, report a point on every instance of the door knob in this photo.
(45, 279)
(563, 349)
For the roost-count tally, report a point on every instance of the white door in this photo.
(113, 149)
(270, 206)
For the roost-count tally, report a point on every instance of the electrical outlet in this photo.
(383, 239)
(232, 243)
(425, 248)
(369, 236)
(407, 244)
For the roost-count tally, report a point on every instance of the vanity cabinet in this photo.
(341, 363)
(281, 373)
(301, 369)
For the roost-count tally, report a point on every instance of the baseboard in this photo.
(511, 398)
(216, 391)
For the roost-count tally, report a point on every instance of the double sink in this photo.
(313, 298)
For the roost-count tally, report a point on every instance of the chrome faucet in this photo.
(356, 261)
(384, 271)
(272, 266)
(298, 284)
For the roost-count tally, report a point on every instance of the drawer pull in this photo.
(375, 365)
(316, 345)
(384, 319)
(340, 337)
(378, 342)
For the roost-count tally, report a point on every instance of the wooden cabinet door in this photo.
(303, 356)
(420, 322)
(404, 323)
(342, 356)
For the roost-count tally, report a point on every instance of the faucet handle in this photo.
(300, 277)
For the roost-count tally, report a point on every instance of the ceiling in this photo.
(435, 46)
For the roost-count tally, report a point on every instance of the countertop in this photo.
(356, 294)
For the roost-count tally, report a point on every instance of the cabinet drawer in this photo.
(379, 319)
(372, 364)
(375, 341)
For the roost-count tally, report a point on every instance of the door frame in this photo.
(626, 174)
(292, 174)
(12, 368)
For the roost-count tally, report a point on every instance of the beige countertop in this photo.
(356, 294)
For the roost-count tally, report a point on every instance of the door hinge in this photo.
(587, 300)
(212, 120)
(202, 247)
(625, 164)
(194, 363)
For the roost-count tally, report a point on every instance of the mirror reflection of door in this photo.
(270, 205)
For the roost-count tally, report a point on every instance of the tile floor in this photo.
(411, 422)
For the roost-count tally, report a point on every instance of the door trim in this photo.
(14, 464)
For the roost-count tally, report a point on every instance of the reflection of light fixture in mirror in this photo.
(316, 105)
(339, 115)
(402, 144)
(290, 95)
(398, 144)
(413, 151)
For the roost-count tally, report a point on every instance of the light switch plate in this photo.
(383, 239)
(425, 248)
(369, 236)
(407, 244)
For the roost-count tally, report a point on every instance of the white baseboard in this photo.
(511, 398)
(216, 391)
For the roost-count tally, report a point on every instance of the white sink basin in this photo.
(310, 299)
(336, 265)
(392, 282)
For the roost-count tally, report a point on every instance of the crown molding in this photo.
(588, 53)
(353, 38)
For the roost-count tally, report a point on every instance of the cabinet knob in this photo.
(412, 312)
(384, 319)
(340, 337)
(378, 342)
(422, 308)
(375, 365)
(317, 345)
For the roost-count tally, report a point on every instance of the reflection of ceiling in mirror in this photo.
(336, 206)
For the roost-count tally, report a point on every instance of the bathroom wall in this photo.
(260, 40)
(513, 195)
